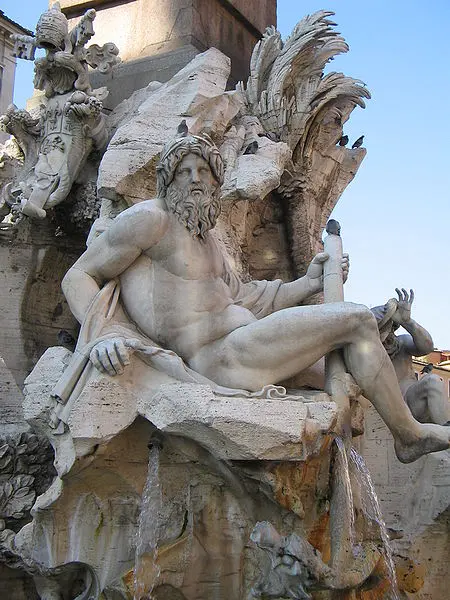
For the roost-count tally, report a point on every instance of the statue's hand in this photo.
(110, 356)
(403, 313)
(315, 270)
(345, 264)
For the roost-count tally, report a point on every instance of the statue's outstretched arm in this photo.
(263, 298)
(295, 292)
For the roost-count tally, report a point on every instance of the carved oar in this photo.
(341, 510)
(333, 291)
(350, 569)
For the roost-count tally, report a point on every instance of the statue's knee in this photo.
(232, 351)
(365, 319)
(433, 383)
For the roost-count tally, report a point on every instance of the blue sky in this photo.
(395, 215)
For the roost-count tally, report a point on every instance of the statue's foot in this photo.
(432, 438)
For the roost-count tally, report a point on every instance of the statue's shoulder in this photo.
(146, 209)
(146, 222)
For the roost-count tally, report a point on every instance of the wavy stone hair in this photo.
(174, 152)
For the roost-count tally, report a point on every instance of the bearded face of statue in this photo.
(193, 196)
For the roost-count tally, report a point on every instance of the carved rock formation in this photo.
(293, 99)
(226, 462)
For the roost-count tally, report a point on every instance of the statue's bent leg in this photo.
(280, 345)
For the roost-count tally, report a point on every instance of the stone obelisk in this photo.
(156, 38)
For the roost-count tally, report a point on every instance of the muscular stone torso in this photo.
(176, 294)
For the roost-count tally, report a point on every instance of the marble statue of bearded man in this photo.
(157, 284)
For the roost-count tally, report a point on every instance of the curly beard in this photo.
(195, 207)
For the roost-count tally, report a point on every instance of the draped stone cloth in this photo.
(106, 319)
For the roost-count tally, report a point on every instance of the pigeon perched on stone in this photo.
(358, 143)
(252, 148)
(427, 368)
(270, 135)
(333, 227)
(182, 129)
(343, 140)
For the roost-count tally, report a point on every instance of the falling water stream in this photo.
(371, 507)
(146, 569)
(345, 475)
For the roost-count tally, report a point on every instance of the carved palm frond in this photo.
(261, 63)
(289, 93)
(334, 91)
(286, 89)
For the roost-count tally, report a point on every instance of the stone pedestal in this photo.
(156, 38)
(224, 463)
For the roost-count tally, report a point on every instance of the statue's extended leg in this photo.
(288, 341)
(412, 439)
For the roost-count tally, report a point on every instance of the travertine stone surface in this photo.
(312, 195)
(151, 27)
(11, 396)
(197, 92)
(415, 502)
(207, 515)
(235, 428)
(136, 74)
(33, 307)
(243, 180)
(16, 585)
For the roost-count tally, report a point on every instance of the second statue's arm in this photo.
(419, 342)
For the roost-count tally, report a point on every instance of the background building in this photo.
(7, 63)
(441, 362)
